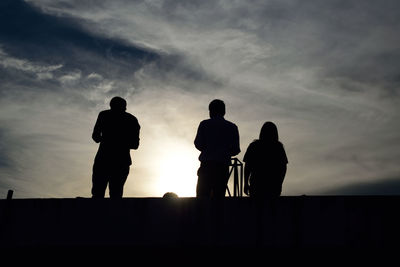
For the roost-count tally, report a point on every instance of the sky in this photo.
(327, 73)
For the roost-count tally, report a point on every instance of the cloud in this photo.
(25, 65)
(50, 97)
(70, 78)
(389, 186)
(353, 50)
(58, 50)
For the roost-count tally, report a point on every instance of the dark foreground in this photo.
(311, 224)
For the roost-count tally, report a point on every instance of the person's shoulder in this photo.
(282, 148)
(280, 144)
(254, 144)
(278, 147)
(104, 113)
(205, 122)
(231, 124)
(131, 117)
(251, 150)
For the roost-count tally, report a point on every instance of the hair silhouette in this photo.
(118, 104)
(169, 195)
(265, 164)
(269, 132)
(216, 108)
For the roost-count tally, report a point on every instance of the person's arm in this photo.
(247, 168)
(282, 172)
(96, 135)
(236, 143)
(136, 134)
(247, 172)
(199, 142)
(283, 163)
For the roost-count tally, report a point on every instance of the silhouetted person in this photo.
(118, 132)
(218, 141)
(265, 164)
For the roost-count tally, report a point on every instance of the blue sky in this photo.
(326, 72)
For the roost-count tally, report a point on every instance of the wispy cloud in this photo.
(25, 65)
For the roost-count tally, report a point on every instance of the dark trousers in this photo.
(265, 191)
(212, 179)
(107, 174)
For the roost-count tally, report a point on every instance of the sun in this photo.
(178, 171)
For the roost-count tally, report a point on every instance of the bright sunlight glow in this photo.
(178, 170)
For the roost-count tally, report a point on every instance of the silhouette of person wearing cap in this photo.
(265, 164)
(218, 140)
(117, 132)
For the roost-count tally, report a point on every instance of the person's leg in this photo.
(117, 181)
(99, 180)
(221, 177)
(203, 188)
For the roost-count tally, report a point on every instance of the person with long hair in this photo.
(265, 164)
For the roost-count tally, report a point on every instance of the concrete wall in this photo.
(289, 222)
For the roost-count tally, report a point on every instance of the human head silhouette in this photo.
(216, 108)
(170, 195)
(269, 132)
(118, 104)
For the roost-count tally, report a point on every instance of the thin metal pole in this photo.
(237, 177)
(241, 180)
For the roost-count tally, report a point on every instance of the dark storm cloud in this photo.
(31, 40)
(26, 32)
(76, 56)
(350, 45)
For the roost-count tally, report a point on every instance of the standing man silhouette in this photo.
(218, 141)
(117, 132)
